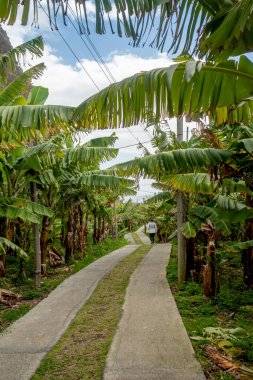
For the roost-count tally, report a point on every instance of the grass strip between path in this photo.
(81, 352)
(137, 238)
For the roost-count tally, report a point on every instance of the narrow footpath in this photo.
(151, 342)
(143, 236)
(24, 344)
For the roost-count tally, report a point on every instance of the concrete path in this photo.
(28, 340)
(129, 238)
(151, 342)
(143, 236)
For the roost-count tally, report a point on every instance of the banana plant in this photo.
(25, 119)
(222, 90)
(215, 29)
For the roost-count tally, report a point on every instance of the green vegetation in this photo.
(25, 287)
(231, 309)
(82, 351)
(137, 238)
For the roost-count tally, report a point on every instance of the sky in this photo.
(69, 83)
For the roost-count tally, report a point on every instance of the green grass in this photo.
(232, 308)
(137, 238)
(25, 287)
(82, 351)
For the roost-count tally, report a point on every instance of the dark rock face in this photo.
(5, 44)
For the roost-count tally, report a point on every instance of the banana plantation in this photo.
(62, 208)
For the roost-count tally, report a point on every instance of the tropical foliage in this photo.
(48, 181)
(215, 28)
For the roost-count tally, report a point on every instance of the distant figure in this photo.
(152, 229)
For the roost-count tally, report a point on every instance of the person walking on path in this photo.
(152, 229)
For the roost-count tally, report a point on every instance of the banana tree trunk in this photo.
(36, 239)
(99, 230)
(211, 275)
(190, 249)
(95, 228)
(44, 242)
(76, 227)
(247, 257)
(69, 239)
(103, 228)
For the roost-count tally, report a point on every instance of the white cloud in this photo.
(70, 85)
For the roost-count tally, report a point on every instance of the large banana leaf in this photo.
(89, 154)
(188, 230)
(183, 88)
(201, 214)
(103, 141)
(37, 95)
(192, 183)
(10, 60)
(163, 196)
(176, 161)
(25, 123)
(20, 84)
(97, 181)
(230, 31)
(7, 243)
(202, 26)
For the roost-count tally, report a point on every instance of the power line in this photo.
(70, 48)
(80, 62)
(102, 65)
(112, 78)
(128, 146)
(83, 30)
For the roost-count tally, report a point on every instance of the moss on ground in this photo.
(81, 352)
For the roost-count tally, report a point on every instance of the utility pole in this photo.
(181, 218)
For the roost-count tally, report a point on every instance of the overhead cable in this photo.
(70, 48)
(102, 65)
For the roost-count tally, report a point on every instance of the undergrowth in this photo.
(231, 309)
